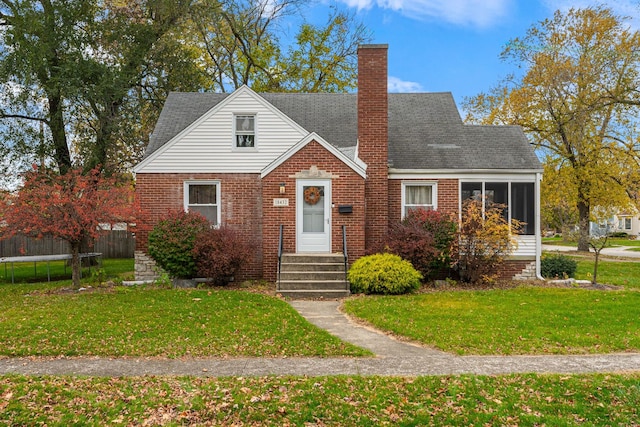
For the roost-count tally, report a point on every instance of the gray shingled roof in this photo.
(425, 129)
(179, 111)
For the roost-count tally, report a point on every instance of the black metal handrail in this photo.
(280, 250)
(344, 251)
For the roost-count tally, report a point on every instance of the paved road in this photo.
(393, 358)
(619, 251)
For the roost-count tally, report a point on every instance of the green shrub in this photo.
(383, 274)
(557, 266)
(172, 240)
(619, 235)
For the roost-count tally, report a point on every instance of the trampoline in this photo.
(44, 258)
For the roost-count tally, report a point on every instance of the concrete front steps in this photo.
(313, 276)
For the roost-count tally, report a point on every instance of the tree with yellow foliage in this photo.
(486, 238)
(577, 101)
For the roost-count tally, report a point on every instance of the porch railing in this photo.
(344, 251)
(280, 250)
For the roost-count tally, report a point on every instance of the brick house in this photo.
(313, 163)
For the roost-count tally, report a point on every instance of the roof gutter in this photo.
(539, 228)
(460, 171)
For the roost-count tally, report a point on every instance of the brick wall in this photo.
(373, 137)
(517, 269)
(448, 193)
(247, 205)
(347, 189)
(240, 206)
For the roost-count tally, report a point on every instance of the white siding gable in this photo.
(208, 144)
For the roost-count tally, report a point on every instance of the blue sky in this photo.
(453, 45)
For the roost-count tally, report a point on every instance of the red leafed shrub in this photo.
(219, 253)
(70, 207)
(425, 238)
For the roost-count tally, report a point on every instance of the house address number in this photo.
(280, 202)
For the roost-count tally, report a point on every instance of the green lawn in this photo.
(159, 322)
(132, 321)
(619, 273)
(515, 321)
(28, 272)
(49, 319)
(553, 400)
(39, 319)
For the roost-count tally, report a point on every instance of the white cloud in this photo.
(400, 86)
(480, 13)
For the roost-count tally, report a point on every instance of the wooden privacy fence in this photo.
(112, 244)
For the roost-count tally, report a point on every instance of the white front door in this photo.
(313, 215)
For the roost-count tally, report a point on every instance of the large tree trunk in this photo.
(58, 133)
(51, 77)
(583, 226)
(104, 138)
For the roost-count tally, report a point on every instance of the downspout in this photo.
(538, 227)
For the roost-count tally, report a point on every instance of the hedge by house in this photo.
(383, 274)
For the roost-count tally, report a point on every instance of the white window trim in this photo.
(434, 193)
(185, 194)
(234, 147)
(624, 219)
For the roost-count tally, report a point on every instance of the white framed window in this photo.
(624, 223)
(419, 195)
(203, 197)
(244, 131)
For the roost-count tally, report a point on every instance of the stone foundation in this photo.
(517, 269)
(527, 273)
(145, 267)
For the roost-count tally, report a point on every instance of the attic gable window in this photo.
(245, 131)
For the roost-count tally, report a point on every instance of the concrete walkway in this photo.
(326, 315)
(393, 358)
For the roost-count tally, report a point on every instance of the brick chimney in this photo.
(373, 138)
